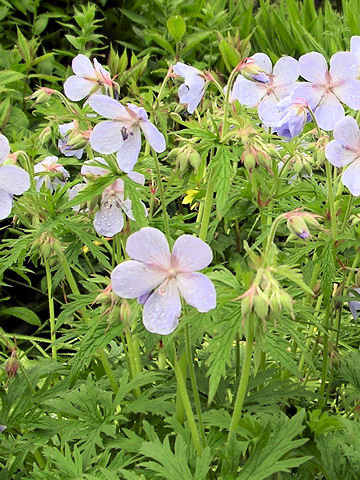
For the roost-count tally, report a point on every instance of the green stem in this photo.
(187, 407)
(331, 202)
(324, 370)
(180, 412)
(195, 389)
(162, 197)
(110, 375)
(272, 232)
(226, 103)
(51, 309)
(207, 210)
(347, 214)
(39, 459)
(245, 374)
(133, 363)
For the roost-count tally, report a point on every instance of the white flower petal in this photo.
(14, 180)
(77, 88)
(286, 69)
(106, 136)
(197, 290)
(5, 204)
(162, 309)
(153, 136)
(133, 279)
(313, 67)
(263, 61)
(338, 154)
(351, 178)
(108, 107)
(190, 254)
(128, 151)
(355, 45)
(109, 219)
(89, 168)
(150, 246)
(347, 132)
(344, 65)
(248, 92)
(329, 112)
(82, 66)
(137, 177)
(4, 148)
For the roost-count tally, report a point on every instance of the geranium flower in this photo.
(329, 87)
(121, 133)
(87, 79)
(345, 150)
(268, 87)
(290, 116)
(52, 173)
(192, 90)
(109, 219)
(13, 180)
(65, 149)
(159, 277)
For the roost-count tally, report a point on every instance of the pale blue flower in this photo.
(266, 88)
(122, 133)
(328, 88)
(158, 277)
(192, 90)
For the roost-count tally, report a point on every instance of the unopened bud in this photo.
(12, 364)
(125, 312)
(42, 95)
(261, 307)
(297, 226)
(76, 140)
(45, 135)
(249, 162)
(286, 302)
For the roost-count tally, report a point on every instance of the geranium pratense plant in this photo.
(328, 88)
(192, 90)
(158, 277)
(345, 150)
(268, 87)
(13, 180)
(87, 79)
(121, 133)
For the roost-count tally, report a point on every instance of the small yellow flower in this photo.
(85, 248)
(189, 198)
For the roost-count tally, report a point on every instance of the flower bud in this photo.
(42, 95)
(76, 140)
(249, 162)
(45, 135)
(12, 364)
(125, 312)
(298, 226)
(261, 306)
